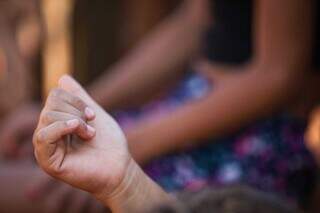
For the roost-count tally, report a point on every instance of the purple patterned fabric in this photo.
(269, 155)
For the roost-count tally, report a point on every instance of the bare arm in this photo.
(157, 59)
(135, 189)
(271, 82)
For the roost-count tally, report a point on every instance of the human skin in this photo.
(15, 80)
(78, 143)
(282, 54)
(313, 134)
(281, 61)
(148, 67)
(149, 60)
(16, 72)
(20, 35)
(17, 196)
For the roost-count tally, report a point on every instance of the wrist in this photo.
(134, 189)
(107, 196)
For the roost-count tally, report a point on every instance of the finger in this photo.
(74, 101)
(55, 131)
(57, 104)
(45, 139)
(84, 131)
(70, 85)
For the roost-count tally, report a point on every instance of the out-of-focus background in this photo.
(40, 40)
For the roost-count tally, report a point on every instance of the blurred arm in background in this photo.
(271, 82)
(156, 60)
(19, 42)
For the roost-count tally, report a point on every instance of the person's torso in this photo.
(229, 39)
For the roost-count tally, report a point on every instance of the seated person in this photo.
(263, 53)
(80, 144)
(19, 42)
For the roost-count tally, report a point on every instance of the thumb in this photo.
(70, 85)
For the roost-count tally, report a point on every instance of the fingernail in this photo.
(73, 123)
(89, 112)
(91, 130)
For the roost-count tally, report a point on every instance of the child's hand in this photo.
(82, 149)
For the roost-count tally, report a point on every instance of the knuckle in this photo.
(62, 125)
(82, 124)
(52, 101)
(79, 103)
(56, 92)
(54, 170)
(47, 117)
(40, 136)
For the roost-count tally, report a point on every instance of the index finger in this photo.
(45, 140)
(74, 101)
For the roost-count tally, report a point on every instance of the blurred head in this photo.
(236, 199)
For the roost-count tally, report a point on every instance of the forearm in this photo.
(250, 96)
(135, 190)
(156, 59)
(15, 87)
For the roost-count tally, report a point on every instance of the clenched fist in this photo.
(77, 142)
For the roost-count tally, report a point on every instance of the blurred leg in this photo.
(14, 180)
(47, 195)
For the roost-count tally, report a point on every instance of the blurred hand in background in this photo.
(16, 131)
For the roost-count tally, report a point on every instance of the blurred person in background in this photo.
(254, 66)
(20, 38)
(249, 63)
(20, 33)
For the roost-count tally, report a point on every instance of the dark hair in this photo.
(233, 199)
